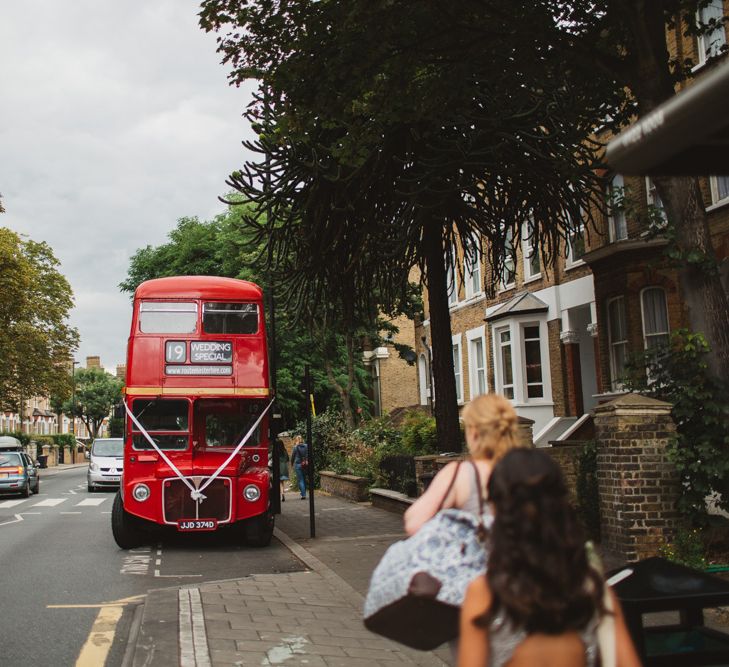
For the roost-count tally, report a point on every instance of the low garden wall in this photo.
(344, 486)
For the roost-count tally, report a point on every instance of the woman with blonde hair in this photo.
(490, 423)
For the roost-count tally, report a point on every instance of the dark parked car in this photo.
(18, 473)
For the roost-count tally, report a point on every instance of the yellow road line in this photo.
(97, 646)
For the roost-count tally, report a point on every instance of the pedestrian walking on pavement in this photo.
(540, 601)
(300, 461)
(490, 422)
(279, 449)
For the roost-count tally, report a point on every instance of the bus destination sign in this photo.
(211, 352)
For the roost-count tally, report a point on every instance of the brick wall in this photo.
(638, 485)
(344, 486)
(567, 457)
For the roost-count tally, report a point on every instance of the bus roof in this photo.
(198, 287)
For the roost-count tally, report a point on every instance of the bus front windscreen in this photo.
(228, 421)
(165, 420)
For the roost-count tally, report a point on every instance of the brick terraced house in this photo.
(555, 339)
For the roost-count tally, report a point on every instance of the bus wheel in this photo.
(259, 530)
(124, 526)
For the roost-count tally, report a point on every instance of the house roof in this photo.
(687, 135)
(520, 304)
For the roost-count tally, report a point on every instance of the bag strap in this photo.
(478, 489)
(450, 486)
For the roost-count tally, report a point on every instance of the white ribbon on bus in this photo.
(197, 494)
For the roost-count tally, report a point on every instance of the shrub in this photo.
(419, 435)
(23, 437)
(63, 439)
(687, 548)
(678, 374)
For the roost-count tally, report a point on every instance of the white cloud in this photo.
(117, 119)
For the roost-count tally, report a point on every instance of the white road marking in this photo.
(72, 491)
(137, 561)
(193, 641)
(12, 503)
(50, 502)
(70, 512)
(15, 520)
(91, 502)
(174, 576)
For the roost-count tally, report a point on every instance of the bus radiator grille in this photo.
(178, 504)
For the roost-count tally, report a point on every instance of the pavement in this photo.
(312, 617)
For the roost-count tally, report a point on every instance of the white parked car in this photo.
(106, 463)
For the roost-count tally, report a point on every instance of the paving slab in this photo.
(311, 617)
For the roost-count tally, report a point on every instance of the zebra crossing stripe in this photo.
(6, 504)
(91, 502)
(50, 502)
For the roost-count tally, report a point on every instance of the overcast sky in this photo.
(116, 120)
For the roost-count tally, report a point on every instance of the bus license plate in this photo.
(187, 525)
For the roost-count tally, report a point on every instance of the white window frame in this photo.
(510, 257)
(529, 249)
(653, 334)
(522, 341)
(617, 222)
(714, 40)
(614, 380)
(515, 327)
(501, 387)
(423, 373)
(451, 278)
(457, 352)
(477, 367)
(472, 267)
(714, 184)
(571, 261)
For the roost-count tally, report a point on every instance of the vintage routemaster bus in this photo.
(196, 403)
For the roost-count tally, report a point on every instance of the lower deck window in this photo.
(226, 422)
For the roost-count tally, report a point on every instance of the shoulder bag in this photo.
(417, 589)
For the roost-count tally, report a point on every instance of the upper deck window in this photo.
(230, 318)
(167, 317)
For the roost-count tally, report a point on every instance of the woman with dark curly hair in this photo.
(540, 602)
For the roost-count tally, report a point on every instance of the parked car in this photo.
(18, 473)
(106, 463)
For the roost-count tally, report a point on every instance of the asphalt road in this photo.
(59, 564)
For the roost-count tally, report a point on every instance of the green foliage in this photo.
(679, 375)
(687, 548)
(36, 340)
(588, 500)
(116, 427)
(419, 436)
(375, 450)
(23, 437)
(96, 393)
(63, 439)
(227, 246)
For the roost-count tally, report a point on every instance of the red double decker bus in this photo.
(197, 401)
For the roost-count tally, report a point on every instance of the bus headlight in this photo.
(141, 492)
(251, 493)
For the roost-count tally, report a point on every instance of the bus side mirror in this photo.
(118, 411)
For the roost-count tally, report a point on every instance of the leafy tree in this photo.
(406, 129)
(225, 246)
(96, 393)
(36, 340)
